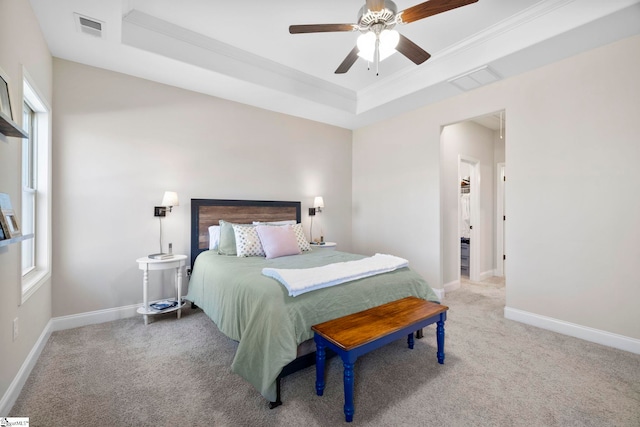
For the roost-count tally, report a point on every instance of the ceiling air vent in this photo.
(476, 78)
(90, 26)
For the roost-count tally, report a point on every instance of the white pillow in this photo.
(303, 243)
(247, 241)
(214, 237)
(278, 241)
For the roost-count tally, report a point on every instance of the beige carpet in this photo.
(176, 372)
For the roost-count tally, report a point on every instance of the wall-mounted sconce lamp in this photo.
(318, 204)
(169, 200)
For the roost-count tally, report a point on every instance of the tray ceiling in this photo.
(242, 51)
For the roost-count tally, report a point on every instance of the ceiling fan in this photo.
(376, 20)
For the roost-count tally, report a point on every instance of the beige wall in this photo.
(21, 45)
(571, 156)
(120, 142)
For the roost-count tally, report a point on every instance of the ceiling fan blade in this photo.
(412, 51)
(348, 61)
(321, 28)
(375, 5)
(430, 8)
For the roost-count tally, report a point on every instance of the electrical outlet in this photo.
(15, 328)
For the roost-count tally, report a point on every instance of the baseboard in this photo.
(578, 331)
(486, 275)
(451, 286)
(20, 379)
(93, 317)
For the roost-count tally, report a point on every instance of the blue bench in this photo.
(357, 334)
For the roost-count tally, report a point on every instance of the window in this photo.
(36, 188)
(29, 190)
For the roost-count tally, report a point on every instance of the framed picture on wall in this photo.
(10, 223)
(5, 103)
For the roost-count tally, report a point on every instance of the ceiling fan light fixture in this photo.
(366, 46)
(378, 40)
(388, 40)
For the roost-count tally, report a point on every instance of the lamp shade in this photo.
(366, 46)
(388, 40)
(318, 202)
(170, 199)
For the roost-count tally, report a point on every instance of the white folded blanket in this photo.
(301, 280)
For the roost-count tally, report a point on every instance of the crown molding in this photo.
(223, 58)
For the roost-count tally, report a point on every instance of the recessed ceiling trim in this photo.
(532, 13)
(268, 72)
(525, 29)
(496, 31)
(473, 42)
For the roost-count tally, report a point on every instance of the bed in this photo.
(272, 328)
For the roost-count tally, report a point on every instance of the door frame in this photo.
(500, 219)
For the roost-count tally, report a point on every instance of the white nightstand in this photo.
(326, 245)
(147, 264)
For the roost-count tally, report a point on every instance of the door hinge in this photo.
(471, 227)
(504, 217)
(504, 177)
(504, 257)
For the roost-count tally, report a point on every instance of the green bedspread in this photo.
(257, 311)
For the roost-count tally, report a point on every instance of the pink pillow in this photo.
(278, 241)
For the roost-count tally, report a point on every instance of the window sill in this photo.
(32, 282)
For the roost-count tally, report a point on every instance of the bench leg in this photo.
(420, 333)
(320, 359)
(410, 340)
(440, 337)
(348, 391)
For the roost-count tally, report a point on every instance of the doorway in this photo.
(473, 149)
(468, 212)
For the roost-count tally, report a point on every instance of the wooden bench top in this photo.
(360, 328)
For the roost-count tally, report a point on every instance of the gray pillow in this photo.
(227, 244)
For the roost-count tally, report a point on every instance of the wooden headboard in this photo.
(207, 212)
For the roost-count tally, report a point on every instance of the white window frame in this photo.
(33, 279)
